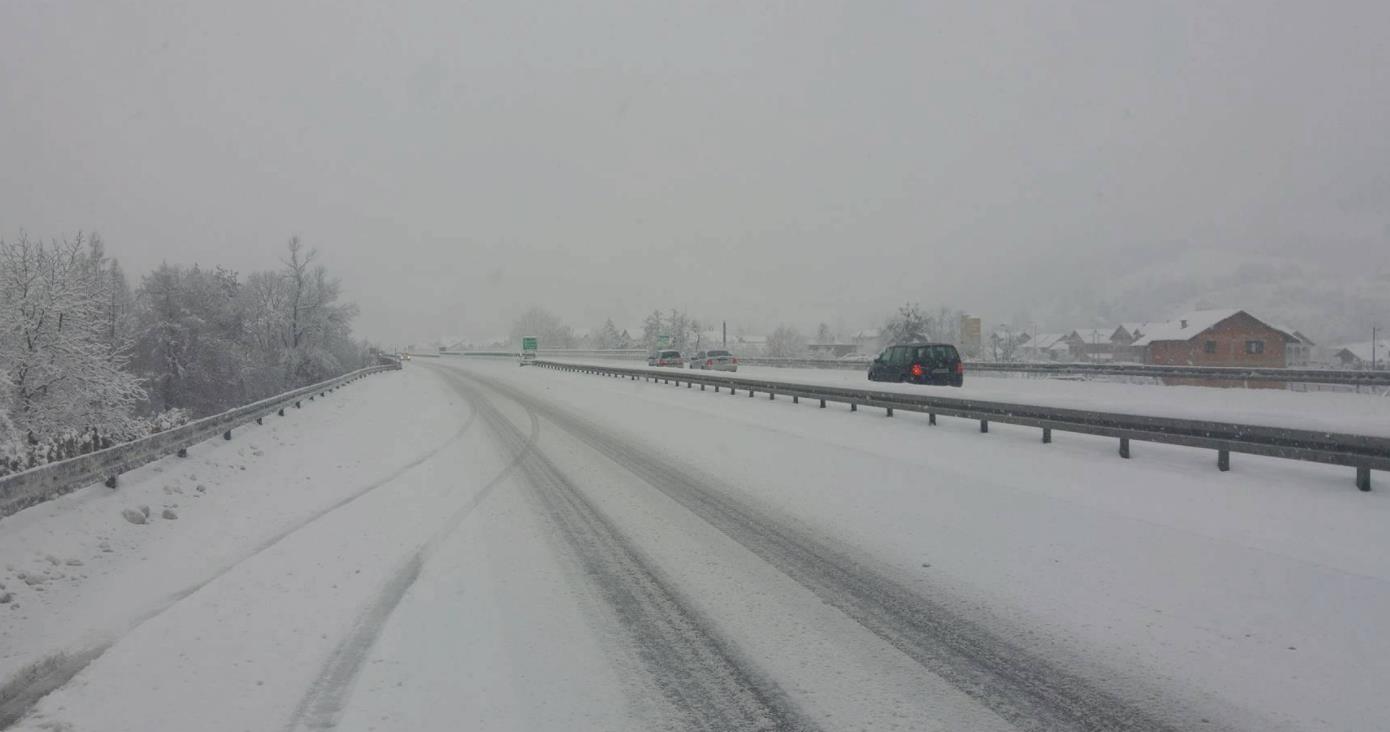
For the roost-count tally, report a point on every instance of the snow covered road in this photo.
(466, 544)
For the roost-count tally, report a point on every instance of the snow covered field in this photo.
(1367, 414)
(466, 544)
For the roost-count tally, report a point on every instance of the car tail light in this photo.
(916, 369)
(960, 367)
(709, 362)
(734, 361)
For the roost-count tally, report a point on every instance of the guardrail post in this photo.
(702, 387)
(1223, 460)
(227, 435)
(984, 425)
(282, 411)
(822, 404)
(1047, 435)
(750, 393)
(297, 405)
(1363, 479)
(110, 481)
(1124, 447)
(771, 396)
(931, 418)
(796, 399)
(183, 452)
(716, 388)
(260, 420)
(890, 411)
(853, 407)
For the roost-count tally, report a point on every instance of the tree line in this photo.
(87, 360)
(684, 332)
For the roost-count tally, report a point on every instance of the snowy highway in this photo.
(465, 544)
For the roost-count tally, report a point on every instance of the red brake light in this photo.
(735, 361)
(916, 369)
(960, 367)
(709, 362)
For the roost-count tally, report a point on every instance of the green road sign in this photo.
(528, 343)
(663, 341)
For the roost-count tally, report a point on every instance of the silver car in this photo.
(714, 361)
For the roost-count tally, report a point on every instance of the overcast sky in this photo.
(757, 161)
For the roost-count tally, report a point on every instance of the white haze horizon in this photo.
(1066, 165)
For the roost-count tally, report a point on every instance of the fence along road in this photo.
(46, 482)
(1362, 452)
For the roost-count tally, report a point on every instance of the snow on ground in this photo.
(1366, 414)
(1256, 590)
(81, 575)
(446, 596)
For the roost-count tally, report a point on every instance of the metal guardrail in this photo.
(1362, 452)
(1344, 377)
(1218, 373)
(45, 482)
(1225, 373)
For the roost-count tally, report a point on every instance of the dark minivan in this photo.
(919, 363)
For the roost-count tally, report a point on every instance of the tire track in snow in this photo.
(49, 674)
(322, 706)
(1017, 684)
(705, 682)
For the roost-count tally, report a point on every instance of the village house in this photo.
(1358, 355)
(1215, 338)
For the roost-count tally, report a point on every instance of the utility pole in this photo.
(1373, 347)
(725, 329)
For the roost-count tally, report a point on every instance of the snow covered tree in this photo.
(910, 323)
(190, 346)
(315, 322)
(907, 325)
(608, 337)
(61, 368)
(652, 329)
(944, 326)
(683, 330)
(545, 326)
(786, 342)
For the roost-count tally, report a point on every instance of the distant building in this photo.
(970, 337)
(1215, 338)
(1122, 342)
(1298, 351)
(1090, 344)
(1046, 347)
(1358, 355)
(1007, 345)
(1127, 333)
(867, 340)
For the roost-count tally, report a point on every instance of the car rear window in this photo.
(718, 353)
(937, 355)
(670, 354)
